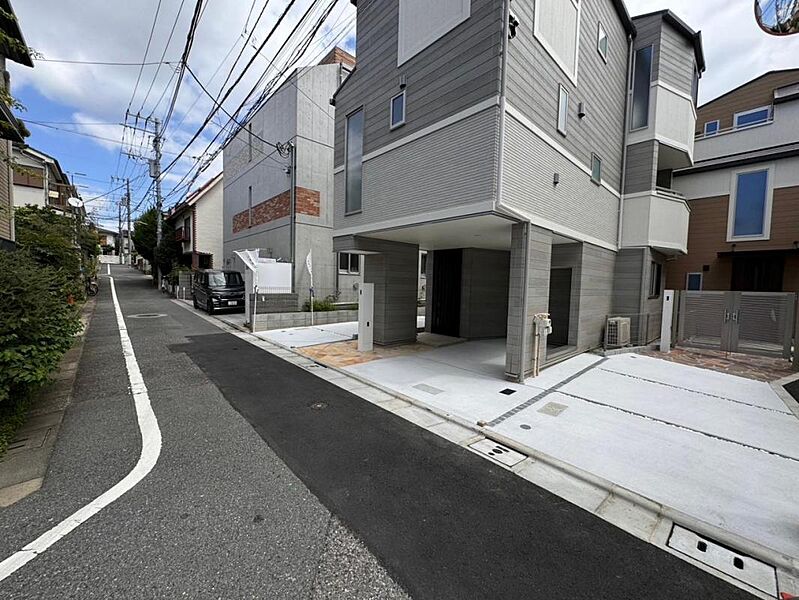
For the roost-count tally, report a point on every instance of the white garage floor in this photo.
(720, 448)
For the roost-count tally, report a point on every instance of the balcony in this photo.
(182, 235)
(658, 219)
(672, 122)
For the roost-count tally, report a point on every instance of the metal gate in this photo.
(747, 322)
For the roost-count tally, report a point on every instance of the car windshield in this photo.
(224, 279)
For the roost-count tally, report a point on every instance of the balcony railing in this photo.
(658, 219)
(182, 235)
(726, 130)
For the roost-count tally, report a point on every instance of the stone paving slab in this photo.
(759, 368)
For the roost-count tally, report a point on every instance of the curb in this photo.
(661, 517)
(779, 389)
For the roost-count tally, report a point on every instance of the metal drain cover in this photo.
(147, 316)
(318, 406)
(498, 452)
(553, 409)
(744, 568)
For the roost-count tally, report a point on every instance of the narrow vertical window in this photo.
(596, 169)
(249, 141)
(398, 110)
(751, 205)
(563, 109)
(354, 168)
(655, 277)
(602, 42)
(642, 75)
(249, 206)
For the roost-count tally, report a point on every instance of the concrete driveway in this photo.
(717, 447)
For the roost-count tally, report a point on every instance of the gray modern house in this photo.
(283, 214)
(527, 146)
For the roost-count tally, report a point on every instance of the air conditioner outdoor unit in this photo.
(617, 332)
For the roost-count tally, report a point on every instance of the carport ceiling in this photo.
(485, 231)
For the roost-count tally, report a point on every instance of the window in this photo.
(711, 128)
(556, 26)
(423, 264)
(655, 276)
(398, 110)
(349, 264)
(752, 117)
(596, 169)
(602, 42)
(693, 282)
(249, 206)
(354, 169)
(422, 22)
(249, 141)
(563, 110)
(750, 208)
(642, 75)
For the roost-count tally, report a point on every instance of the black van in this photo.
(218, 290)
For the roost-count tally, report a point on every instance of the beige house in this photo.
(198, 225)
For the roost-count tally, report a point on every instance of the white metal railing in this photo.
(733, 129)
(670, 192)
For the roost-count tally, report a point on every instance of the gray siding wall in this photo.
(484, 293)
(536, 260)
(648, 34)
(533, 79)
(575, 203)
(642, 165)
(457, 71)
(629, 274)
(451, 167)
(676, 66)
(596, 294)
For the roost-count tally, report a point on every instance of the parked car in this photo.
(215, 290)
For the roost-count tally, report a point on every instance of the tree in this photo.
(144, 238)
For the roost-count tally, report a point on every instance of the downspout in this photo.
(293, 216)
(628, 92)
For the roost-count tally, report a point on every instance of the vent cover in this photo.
(498, 452)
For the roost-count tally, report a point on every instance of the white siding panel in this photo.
(422, 22)
(575, 203)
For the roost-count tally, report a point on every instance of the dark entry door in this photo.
(560, 294)
(757, 273)
(446, 308)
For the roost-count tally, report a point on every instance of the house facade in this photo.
(521, 145)
(198, 225)
(288, 214)
(14, 48)
(744, 191)
(39, 180)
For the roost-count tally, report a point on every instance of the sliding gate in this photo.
(747, 322)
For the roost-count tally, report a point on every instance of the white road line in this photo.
(108, 266)
(150, 451)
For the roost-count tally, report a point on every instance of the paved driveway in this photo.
(715, 446)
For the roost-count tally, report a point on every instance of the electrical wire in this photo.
(146, 51)
(163, 54)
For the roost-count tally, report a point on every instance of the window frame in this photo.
(347, 210)
(767, 207)
(744, 113)
(655, 283)
(599, 34)
(391, 123)
(705, 131)
(423, 264)
(701, 281)
(651, 48)
(595, 158)
(571, 74)
(349, 270)
(563, 93)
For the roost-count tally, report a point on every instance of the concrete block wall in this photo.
(267, 322)
(274, 303)
(485, 279)
(531, 251)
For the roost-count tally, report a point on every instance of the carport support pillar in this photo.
(528, 295)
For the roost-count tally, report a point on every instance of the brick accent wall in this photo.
(277, 207)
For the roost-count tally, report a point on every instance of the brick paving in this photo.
(345, 354)
(760, 368)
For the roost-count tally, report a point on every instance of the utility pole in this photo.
(127, 237)
(120, 247)
(155, 172)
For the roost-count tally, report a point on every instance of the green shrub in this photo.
(325, 305)
(37, 325)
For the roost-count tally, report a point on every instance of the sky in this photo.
(73, 102)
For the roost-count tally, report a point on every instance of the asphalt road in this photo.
(258, 495)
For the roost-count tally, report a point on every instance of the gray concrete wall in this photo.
(484, 293)
(596, 295)
(536, 261)
(266, 322)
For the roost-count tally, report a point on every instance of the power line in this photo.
(184, 60)
(146, 51)
(163, 54)
(97, 137)
(104, 62)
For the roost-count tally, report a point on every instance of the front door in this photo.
(560, 294)
(446, 301)
(757, 273)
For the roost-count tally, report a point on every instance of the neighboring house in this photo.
(12, 47)
(198, 225)
(494, 136)
(259, 183)
(744, 191)
(39, 180)
(107, 239)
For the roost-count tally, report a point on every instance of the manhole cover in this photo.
(147, 316)
(318, 406)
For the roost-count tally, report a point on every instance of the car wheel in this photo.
(209, 308)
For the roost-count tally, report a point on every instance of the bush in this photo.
(325, 305)
(37, 325)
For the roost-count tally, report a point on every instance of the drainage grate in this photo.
(553, 409)
(508, 391)
(30, 441)
(498, 452)
(744, 568)
(428, 388)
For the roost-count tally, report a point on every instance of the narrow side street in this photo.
(267, 472)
